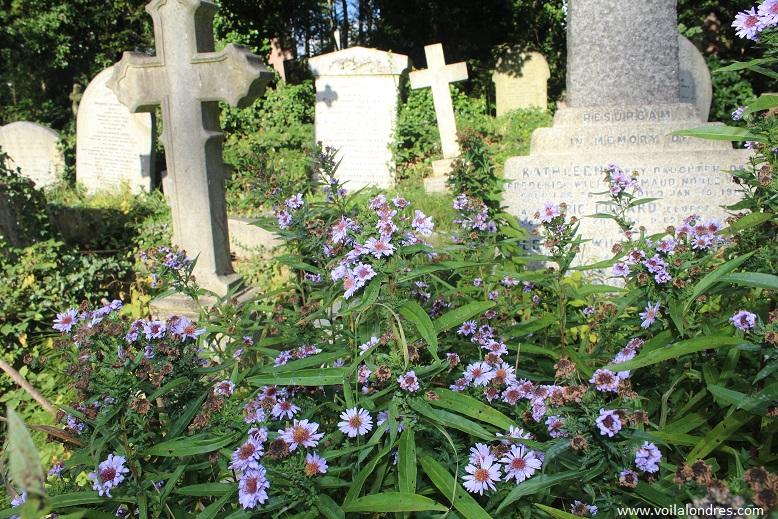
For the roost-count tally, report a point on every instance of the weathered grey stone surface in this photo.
(356, 109)
(113, 146)
(622, 52)
(188, 79)
(521, 81)
(618, 114)
(695, 82)
(35, 149)
(248, 240)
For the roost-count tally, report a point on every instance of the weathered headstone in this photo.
(695, 82)
(34, 149)
(521, 81)
(437, 76)
(356, 109)
(188, 79)
(278, 55)
(113, 146)
(623, 105)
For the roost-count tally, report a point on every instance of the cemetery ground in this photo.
(365, 294)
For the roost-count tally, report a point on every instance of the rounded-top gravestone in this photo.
(113, 146)
(34, 149)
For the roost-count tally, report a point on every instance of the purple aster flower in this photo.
(468, 328)
(295, 202)
(605, 380)
(743, 320)
(747, 24)
(647, 457)
(650, 314)
(56, 469)
(549, 212)
(363, 272)
(154, 329)
(252, 488)
(65, 320)
(621, 270)
(422, 223)
(284, 219)
(554, 424)
(738, 113)
(110, 474)
(350, 285)
(662, 277)
(608, 422)
(247, 456)
(224, 388)
(768, 13)
(477, 282)
(667, 245)
(409, 382)
(184, 328)
(379, 247)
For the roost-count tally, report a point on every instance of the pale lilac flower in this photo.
(400, 203)
(284, 219)
(224, 388)
(379, 247)
(459, 384)
(482, 476)
(56, 469)
(452, 359)
(367, 345)
(514, 433)
(583, 509)
(409, 382)
(662, 277)
(467, 328)
(496, 347)
(477, 282)
(649, 315)
(355, 422)
(247, 456)
(747, 24)
(284, 409)
(65, 320)
(605, 380)
(511, 394)
(608, 422)
(154, 329)
(554, 424)
(184, 328)
(339, 272)
(377, 202)
(252, 488)
(350, 285)
(110, 474)
(295, 202)
(301, 434)
(538, 409)
(19, 500)
(315, 464)
(479, 373)
(283, 358)
(520, 463)
(666, 245)
(647, 458)
(549, 212)
(363, 272)
(768, 13)
(479, 452)
(743, 320)
(422, 223)
(738, 113)
(258, 434)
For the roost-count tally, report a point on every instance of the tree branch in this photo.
(22, 382)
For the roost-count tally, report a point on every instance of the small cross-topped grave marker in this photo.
(188, 79)
(437, 76)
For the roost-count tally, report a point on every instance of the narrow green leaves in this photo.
(471, 407)
(393, 502)
(459, 315)
(406, 463)
(451, 490)
(304, 377)
(721, 133)
(413, 312)
(676, 350)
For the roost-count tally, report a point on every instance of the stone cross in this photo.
(188, 79)
(437, 76)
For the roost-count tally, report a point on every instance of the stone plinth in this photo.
(34, 149)
(113, 146)
(567, 164)
(356, 109)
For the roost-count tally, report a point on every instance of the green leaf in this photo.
(75, 499)
(189, 446)
(164, 389)
(183, 421)
(216, 507)
(329, 508)
(24, 462)
(752, 279)
(393, 502)
(719, 434)
(471, 407)
(305, 377)
(459, 315)
(749, 220)
(745, 65)
(764, 102)
(449, 419)
(721, 133)
(537, 484)
(406, 462)
(641, 201)
(556, 514)
(206, 489)
(676, 350)
(451, 490)
(314, 360)
(413, 312)
(359, 479)
(713, 277)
